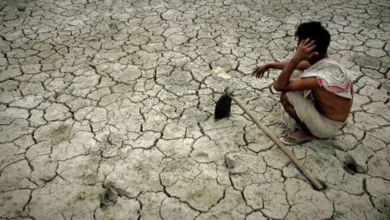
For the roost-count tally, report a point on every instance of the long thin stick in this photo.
(285, 150)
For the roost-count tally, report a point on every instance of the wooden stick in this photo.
(317, 185)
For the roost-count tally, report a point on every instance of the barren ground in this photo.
(106, 111)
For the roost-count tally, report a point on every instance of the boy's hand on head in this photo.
(305, 50)
(260, 70)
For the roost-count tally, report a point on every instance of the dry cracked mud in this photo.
(106, 111)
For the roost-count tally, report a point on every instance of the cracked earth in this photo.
(106, 111)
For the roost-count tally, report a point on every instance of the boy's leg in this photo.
(308, 116)
(299, 136)
(292, 113)
(289, 121)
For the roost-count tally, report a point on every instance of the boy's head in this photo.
(315, 31)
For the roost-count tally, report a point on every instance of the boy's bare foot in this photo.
(296, 137)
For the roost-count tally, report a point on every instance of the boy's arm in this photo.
(260, 70)
(284, 84)
(284, 77)
(304, 52)
(281, 65)
(301, 85)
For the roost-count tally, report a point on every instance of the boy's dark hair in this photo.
(315, 31)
